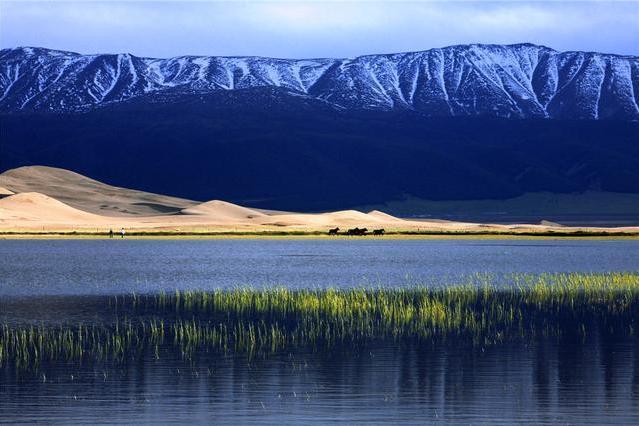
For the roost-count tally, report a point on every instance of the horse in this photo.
(357, 231)
(333, 231)
(378, 231)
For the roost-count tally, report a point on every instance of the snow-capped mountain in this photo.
(519, 81)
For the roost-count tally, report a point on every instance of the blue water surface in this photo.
(97, 267)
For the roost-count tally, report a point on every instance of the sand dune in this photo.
(344, 219)
(357, 218)
(89, 195)
(350, 216)
(31, 210)
(63, 198)
(4, 192)
(383, 216)
(67, 201)
(36, 206)
(223, 211)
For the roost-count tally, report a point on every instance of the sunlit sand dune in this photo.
(4, 192)
(223, 210)
(55, 200)
(88, 194)
(39, 207)
(385, 217)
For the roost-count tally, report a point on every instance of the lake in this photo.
(548, 380)
(98, 267)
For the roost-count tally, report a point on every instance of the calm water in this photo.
(95, 267)
(592, 381)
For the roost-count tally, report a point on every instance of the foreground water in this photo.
(98, 267)
(567, 382)
(592, 379)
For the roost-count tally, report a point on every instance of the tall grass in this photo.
(269, 320)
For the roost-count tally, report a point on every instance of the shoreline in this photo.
(318, 235)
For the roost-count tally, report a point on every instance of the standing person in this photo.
(122, 232)
(110, 233)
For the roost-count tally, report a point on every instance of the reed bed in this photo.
(255, 321)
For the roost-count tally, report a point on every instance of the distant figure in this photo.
(122, 232)
(378, 231)
(333, 231)
(110, 233)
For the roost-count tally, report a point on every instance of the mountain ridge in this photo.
(466, 45)
(511, 81)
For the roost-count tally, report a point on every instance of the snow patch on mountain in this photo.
(518, 81)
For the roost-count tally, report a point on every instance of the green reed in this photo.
(269, 320)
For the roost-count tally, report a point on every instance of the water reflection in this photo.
(547, 382)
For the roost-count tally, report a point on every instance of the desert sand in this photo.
(89, 195)
(223, 210)
(4, 192)
(48, 200)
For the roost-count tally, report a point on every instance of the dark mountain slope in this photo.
(273, 148)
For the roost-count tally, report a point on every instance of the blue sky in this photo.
(314, 28)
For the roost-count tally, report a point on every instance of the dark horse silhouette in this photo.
(357, 231)
(333, 231)
(378, 231)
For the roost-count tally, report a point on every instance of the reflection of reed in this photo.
(268, 320)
